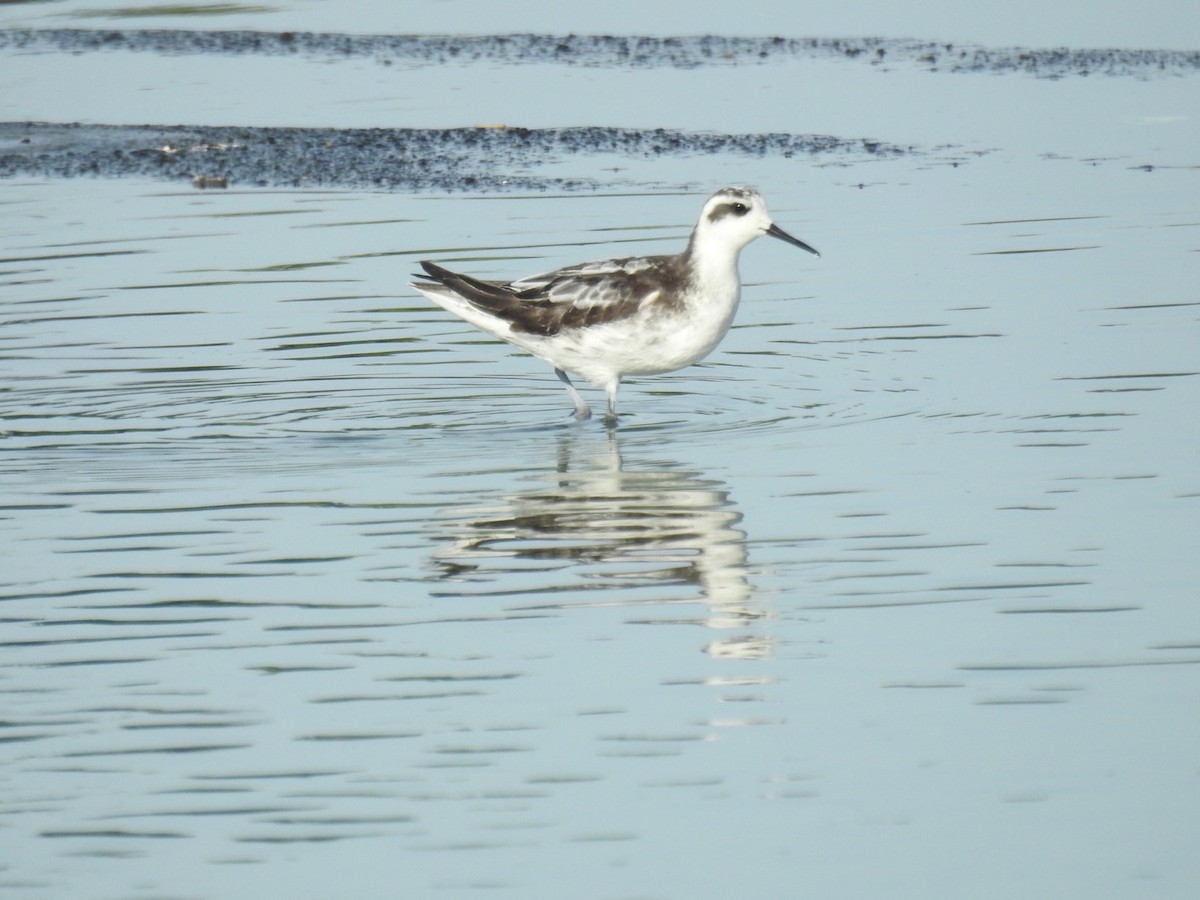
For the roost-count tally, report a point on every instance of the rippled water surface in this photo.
(311, 590)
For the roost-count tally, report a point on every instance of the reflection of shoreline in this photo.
(590, 525)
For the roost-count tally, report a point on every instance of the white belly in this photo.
(645, 345)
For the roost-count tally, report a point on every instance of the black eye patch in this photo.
(735, 207)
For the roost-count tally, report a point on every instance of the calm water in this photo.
(311, 590)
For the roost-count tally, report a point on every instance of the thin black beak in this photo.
(777, 232)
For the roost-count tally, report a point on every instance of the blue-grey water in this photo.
(310, 590)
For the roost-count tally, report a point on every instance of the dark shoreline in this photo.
(612, 50)
(453, 159)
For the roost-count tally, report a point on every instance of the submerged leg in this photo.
(611, 389)
(581, 408)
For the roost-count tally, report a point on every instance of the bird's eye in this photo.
(740, 209)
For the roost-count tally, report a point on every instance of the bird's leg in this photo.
(611, 390)
(581, 408)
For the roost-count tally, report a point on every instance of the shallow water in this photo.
(309, 585)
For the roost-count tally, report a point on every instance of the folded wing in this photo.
(574, 297)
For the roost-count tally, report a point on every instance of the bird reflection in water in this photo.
(595, 533)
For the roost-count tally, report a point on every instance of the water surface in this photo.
(308, 584)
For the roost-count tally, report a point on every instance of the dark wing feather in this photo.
(573, 297)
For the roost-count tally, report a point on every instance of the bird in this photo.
(603, 320)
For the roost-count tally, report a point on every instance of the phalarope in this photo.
(616, 317)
